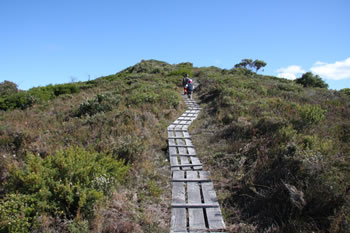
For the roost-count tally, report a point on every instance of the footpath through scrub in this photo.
(195, 207)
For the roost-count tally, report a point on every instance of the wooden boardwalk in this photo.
(195, 207)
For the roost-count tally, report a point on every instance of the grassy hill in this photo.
(91, 156)
(279, 152)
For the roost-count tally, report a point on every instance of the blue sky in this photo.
(47, 42)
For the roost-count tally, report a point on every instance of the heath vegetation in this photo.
(92, 156)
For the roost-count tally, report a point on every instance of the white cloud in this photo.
(336, 71)
(287, 76)
(290, 72)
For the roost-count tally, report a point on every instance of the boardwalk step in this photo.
(188, 155)
(181, 145)
(186, 165)
(191, 180)
(179, 137)
(195, 205)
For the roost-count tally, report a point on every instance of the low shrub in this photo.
(101, 103)
(310, 80)
(311, 114)
(7, 88)
(68, 183)
(20, 100)
(50, 92)
(18, 213)
(128, 148)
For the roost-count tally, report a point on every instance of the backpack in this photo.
(189, 87)
(185, 81)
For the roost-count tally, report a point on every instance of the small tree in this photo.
(8, 88)
(258, 64)
(245, 63)
(310, 80)
(250, 64)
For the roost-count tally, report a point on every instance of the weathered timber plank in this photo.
(196, 215)
(214, 215)
(185, 127)
(195, 205)
(186, 165)
(182, 150)
(204, 175)
(171, 127)
(181, 137)
(188, 142)
(188, 155)
(171, 142)
(192, 180)
(186, 134)
(178, 215)
(178, 127)
(181, 145)
(171, 133)
(194, 159)
(173, 159)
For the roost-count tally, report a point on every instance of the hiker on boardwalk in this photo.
(189, 87)
(184, 83)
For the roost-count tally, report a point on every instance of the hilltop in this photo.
(92, 156)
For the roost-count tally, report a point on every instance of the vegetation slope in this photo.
(91, 156)
(279, 151)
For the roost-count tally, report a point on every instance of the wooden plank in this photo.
(191, 150)
(195, 160)
(192, 180)
(186, 134)
(178, 215)
(188, 142)
(185, 127)
(182, 150)
(214, 215)
(173, 160)
(195, 211)
(195, 205)
(181, 146)
(204, 175)
(188, 155)
(171, 127)
(181, 137)
(186, 165)
(171, 142)
(178, 127)
(180, 130)
(171, 134)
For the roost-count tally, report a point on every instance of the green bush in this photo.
(128, 148)
(20, 100)
(169, 98)
(18, 213)
(101, 103)
(68, 183)
(7, 88)
(345, 91)
(68, 88)
(310, 80)
(311, 114)
(181, 72)
(42, 93)
(50, 92)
